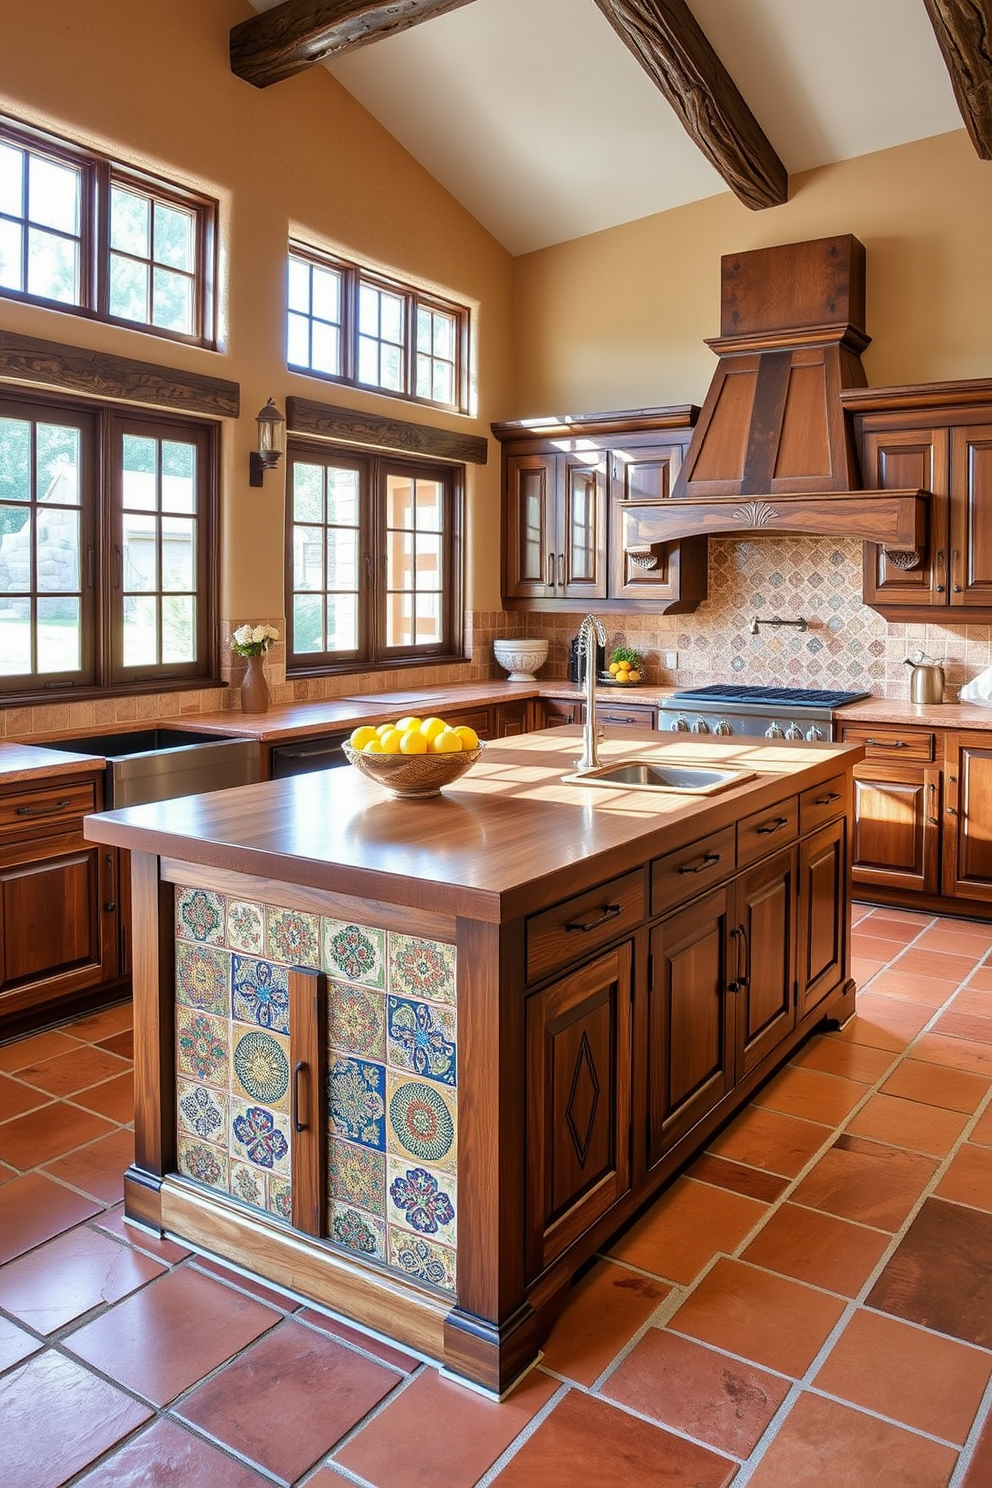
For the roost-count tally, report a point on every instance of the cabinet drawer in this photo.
(580, 925)
(617, 715)
(767, 830)
(679, 875)
(50, 806)
(821, 803)
(891, 743)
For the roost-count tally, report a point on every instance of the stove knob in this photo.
(814, 734)
(681, 725)
(774, 732)
(700, 726)
(723, 727)
(793, 732)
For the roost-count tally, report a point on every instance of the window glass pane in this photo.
(140, 473)
(368, 310)
(443, 389)
(298, 289)
(11, 180)
(178, 553)
(399, 570)
(368, 360)
(130, 220)
(424, 328)
(58, 464)
(444, 335)
(15, 637)
(428, 620)
(342, 558)
(128, 289)
(178, 628)
(298, 341)
(140, 631)
(308, 558)
(140, 554)
(174, 236)
(429, 496)
(308, 627)
(392, 368)
(172, 301)
(15, 559)
(57, 551)
(178, 476)
(399, 501)
(342, 496)
(308, 492)
(391, 310)
(53, 267)
(399, 620)
(326, 294)
(425, 375)
(59, 635)
(11, 251)
(53, 194)
(15, 460)
(326, 354)
(342, 622)
(429, 563)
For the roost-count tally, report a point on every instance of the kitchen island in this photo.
(418, 1059)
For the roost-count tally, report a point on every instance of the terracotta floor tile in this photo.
(823, 1444)
(811, 1095)
(95, 1027)
(113, 1099)
(768, 1140)
(935, 1086)
(864, 969)
(917, 917)
(918, 988)
(833, 1056)
(285, 1402)
(966, 938)
(809, 1245)
(884, 1023)
(940, 1274)
(753, 1183)
(33, 1209)
(466, 1433)
(169, 1251)
(981, 978)
(20, 1052)
(875, 948)
(42, 1135)
(943, 966)
(7, 1173)
(195, 1321)
(58, 1418)
(602, 1313)
(770, 1319)
(249, 1284)
(979, 1474)
(963, 1025)
(866, 1182)
(69, 1276)
(120, 1043)
(968, 1180)
(628, 1453)
(940, 1048)
(64, 1074)
(682, 1231)
(99, 1168)
(902, 931)
(15, 1344)
(908, 1123)
(930, 1383)
(982, 1130)
(167, 1456)
(386, 1353)
(16, 1098)
(697, 1390)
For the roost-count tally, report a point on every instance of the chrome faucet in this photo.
(801, 624)
(591, 631)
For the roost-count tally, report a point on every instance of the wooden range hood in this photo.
(771, 453)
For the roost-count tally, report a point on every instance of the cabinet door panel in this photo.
(968, 816)
(766, 897)
(896, 822)
(529, 518)
(648, 474)
(581, 546)
(51, 918)
(970, 575)
(823, 930)
(899, 460)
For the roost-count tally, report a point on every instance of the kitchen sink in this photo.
(156, 764)
(656, 775)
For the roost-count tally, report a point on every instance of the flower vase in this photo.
(254, 688)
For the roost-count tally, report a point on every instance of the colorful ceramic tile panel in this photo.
(261, 1067)
(422, 1259)
(356, 1094)
(356, 1020)
(202, 1050)
(261, 994)
(200, 916)
(245, 927)
(292, 937)
(203, 977)
(280, 1198)
(421, 968)
(421, 1199)
(354, 953)
(202, 1112)
(204, 1163)
(260, 1136)
(421, 1038)
(357, 1175)
(357, 1231)
(248, 1183)
(422, 1121)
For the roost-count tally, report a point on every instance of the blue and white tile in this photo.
(421, 968)
(422, 1199)
(200, 916)
(420, 1037)
(356, 1091)
(292, 938)
(260, 993)
(357, 1231)
(245, 927)
(422, 1259)
(421, 1122)
(260, 1136)
(202, 1112)
(203, 977)
(354, 953)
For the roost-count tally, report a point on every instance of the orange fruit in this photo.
(468, 736)
(634, 676)
(446, 742)
(413, 742)
(362, 736)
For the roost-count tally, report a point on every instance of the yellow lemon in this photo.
(390, 741)
(403, 724)
(413, 742)
(446, 742)
(432, 726)
(468, 736)
(614, 667)
(374, 746)
(362, 736)
(384, 728)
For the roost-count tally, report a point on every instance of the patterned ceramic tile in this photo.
(421, 968)
(204, 1163)
(261, 994)
(421, 1199)
(202, 1112)
(202, 1050)
(357, 1231)
(421, 1038)
(245, 927)
(200, 916)
(422, 1259)
(248, 1184)
(354, 953)
(357, 1175)
(292, 937)
(356, 1020)
(280, 1198)
(356, 1097)
(260, 1067)
(422, 1122)
(260, 1136)
(203, 977)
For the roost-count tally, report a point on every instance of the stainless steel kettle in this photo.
(926, 680)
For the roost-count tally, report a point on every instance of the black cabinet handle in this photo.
(773, 826)
(745, 978)
(110, 904)
(707, 861)
(40, 810)
(826, 800)
(298, 1070)
(610, 912)
(735, 985)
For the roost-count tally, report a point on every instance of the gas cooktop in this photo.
(791, 697)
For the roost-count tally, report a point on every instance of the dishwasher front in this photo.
(323, 753)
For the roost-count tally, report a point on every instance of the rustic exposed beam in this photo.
(293, 36)
(303, 416)
(962, 29)
(670, 45)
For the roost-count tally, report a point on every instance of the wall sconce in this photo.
(269, 449)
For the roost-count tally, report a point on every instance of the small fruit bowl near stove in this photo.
(413, 776)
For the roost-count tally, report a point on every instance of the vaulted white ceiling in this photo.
(536, 117)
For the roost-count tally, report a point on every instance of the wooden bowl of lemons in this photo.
(413, 757)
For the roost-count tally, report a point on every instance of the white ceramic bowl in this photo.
(521, 656)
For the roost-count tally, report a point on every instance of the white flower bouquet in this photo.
(253, 640)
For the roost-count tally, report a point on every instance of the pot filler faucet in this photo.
(590, 631)
(801, 624)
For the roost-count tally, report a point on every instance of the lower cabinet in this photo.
(821, 939)
(967, 822)
(555, 712)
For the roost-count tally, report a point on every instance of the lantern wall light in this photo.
(270, 443)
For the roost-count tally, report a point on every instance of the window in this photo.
(349, 324)
(108, 567)
(374, 561)
(87, 234)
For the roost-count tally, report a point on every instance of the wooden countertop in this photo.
(503, 840)
(25, 762)
(929, 715)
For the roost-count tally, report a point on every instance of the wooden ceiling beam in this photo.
(670, 45)
(963, 29)
(299, 33)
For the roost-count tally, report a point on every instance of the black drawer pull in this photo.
(827, 800)
(298, 1070)
(707, 861)
(888, 743)
(40, 810)
(773, 826)
(610, 912)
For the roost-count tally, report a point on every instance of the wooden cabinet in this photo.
(762, 973)
(617, 712)
(896, 827)
(556, 712)
(555, 527)
(822, 945)
(672, 576)
(493, 721)
(967, 821)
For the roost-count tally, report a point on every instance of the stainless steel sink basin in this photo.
(658, 775)
(156, 764)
